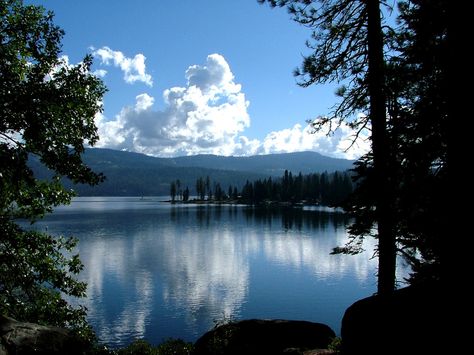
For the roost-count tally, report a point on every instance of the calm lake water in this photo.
(156, 270)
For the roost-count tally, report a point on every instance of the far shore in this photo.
(266, 203)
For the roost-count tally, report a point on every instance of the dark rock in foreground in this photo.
(264, 337)
(411, 321)
(20, 338)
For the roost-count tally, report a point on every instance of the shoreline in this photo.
(270, 204)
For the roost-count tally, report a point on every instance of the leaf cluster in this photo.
(48, 109)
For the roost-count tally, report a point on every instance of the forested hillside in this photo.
(133, 174)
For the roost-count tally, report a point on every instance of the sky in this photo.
(190, 77)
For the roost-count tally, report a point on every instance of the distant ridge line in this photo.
(136, 174)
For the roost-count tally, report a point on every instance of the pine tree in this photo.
(348, 47)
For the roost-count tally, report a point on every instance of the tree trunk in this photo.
(381, 151)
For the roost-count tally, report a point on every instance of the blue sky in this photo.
(198, 76)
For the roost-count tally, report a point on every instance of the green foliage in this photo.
(347, 45)
(133, 174)
(418, 134)
(175, 347)
(402, 182)
(336, 345)
(327, 189)
(48, 109)
(168, 347)
(37, 269)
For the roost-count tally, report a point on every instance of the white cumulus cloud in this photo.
(340, 144)
(134, 69)
(209, 116)
(205, 116)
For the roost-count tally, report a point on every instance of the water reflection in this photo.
(172, 271)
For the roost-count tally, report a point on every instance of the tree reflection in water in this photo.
(160, 270)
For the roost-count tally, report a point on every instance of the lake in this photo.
(156, 270)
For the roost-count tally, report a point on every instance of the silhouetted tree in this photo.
(247, 192)
(235, 193)
(201, 188)
(179, 191)
(186, 194)
(401, 184)
(47, 115)
(417, 111)
(419, 128)
(208, 188)
(173, 191)
(219, 194)
(348, 46)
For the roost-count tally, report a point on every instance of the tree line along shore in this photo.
(327, 189)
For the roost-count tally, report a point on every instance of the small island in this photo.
(325, 189)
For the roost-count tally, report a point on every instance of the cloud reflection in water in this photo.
(173, 271)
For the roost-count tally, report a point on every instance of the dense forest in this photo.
(328, 189)
(133, 174)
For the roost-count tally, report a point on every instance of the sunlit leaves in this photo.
(38, 266)
(47, 116)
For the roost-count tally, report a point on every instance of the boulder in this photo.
(21, 338)
(410, 321)
(264, 337)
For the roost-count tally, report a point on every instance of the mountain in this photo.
(134, 174)
(270, 165)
